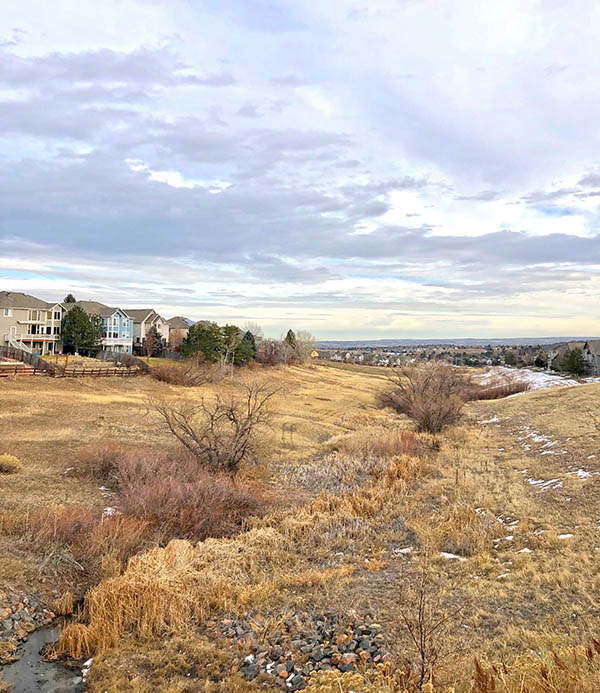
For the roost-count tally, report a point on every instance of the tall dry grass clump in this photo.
(431, 395)
(162, 590)
(382, 442)
(572, 670)
(9, 464)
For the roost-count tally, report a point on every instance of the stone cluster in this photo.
(19, 616)
(290, 651)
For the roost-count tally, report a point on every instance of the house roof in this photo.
(593, 346)
(15, 299)
(179, 323)
(140, 314)
(94, 308)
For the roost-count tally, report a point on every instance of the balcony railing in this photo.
(32, 337)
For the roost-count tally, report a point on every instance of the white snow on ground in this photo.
(544, 485)
(445, 554)
(538, 380)
(492, 420)
(565, 536)
(583, 474)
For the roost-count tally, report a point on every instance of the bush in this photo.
(431, 395)
(495, 390)
(223, 433)
(207, 507)
(190, 373)
(9, 464)
(100, 462)
(62, 525)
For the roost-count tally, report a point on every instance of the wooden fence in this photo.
(36, 362)
(98, 372)
(30, 364)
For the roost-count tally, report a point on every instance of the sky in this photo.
(391, 168)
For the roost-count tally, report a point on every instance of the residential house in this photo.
(178, 330)
(591, 353)
(143, 320)
(117, 325)
(30, 324)
(557, 353)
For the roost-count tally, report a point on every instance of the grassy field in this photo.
(497, 516)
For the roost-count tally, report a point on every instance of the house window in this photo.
(57, 314)
(48, 330)
(8, 312)
(57, 330)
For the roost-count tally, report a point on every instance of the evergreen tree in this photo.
(510, 358)
(153, 342)
(290, 340)
(69, 298)
(249, 343)
(574, 362)
(205, 338)
(80, 331)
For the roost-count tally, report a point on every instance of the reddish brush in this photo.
(195, 510)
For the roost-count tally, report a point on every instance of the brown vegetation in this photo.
(9, 464)
(365, 501)
(432, 395)
(191, 372)
(221, 433)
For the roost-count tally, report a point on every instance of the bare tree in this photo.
(432, 395)
(305, 345)
(430, 621)
(221, 433)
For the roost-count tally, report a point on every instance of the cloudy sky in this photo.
(391, 168)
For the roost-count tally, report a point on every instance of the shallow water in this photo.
(31, 674)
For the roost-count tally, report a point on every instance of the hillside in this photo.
(492, 524)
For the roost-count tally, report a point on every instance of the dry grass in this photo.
(466, 494)
(9, 464)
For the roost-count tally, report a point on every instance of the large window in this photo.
(57, 314)
(8, 312)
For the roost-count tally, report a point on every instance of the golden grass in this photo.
(467, 494)
(9, 464)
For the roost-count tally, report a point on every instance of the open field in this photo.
(499, 515)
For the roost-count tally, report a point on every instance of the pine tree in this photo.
(574, 362)
(290, 340)
(250, 344)
(69, 298)
(80, 331)
(205, 338)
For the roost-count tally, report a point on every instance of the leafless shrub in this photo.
(433, 396)
(209, 506)
(430, 620)
(100, 462)
(189, 373)
(116, 465)
(496, 389)
(222, 432)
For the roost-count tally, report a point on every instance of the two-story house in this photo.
(143, 320)
(30, 324)
(178, 330)
(117, 325)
